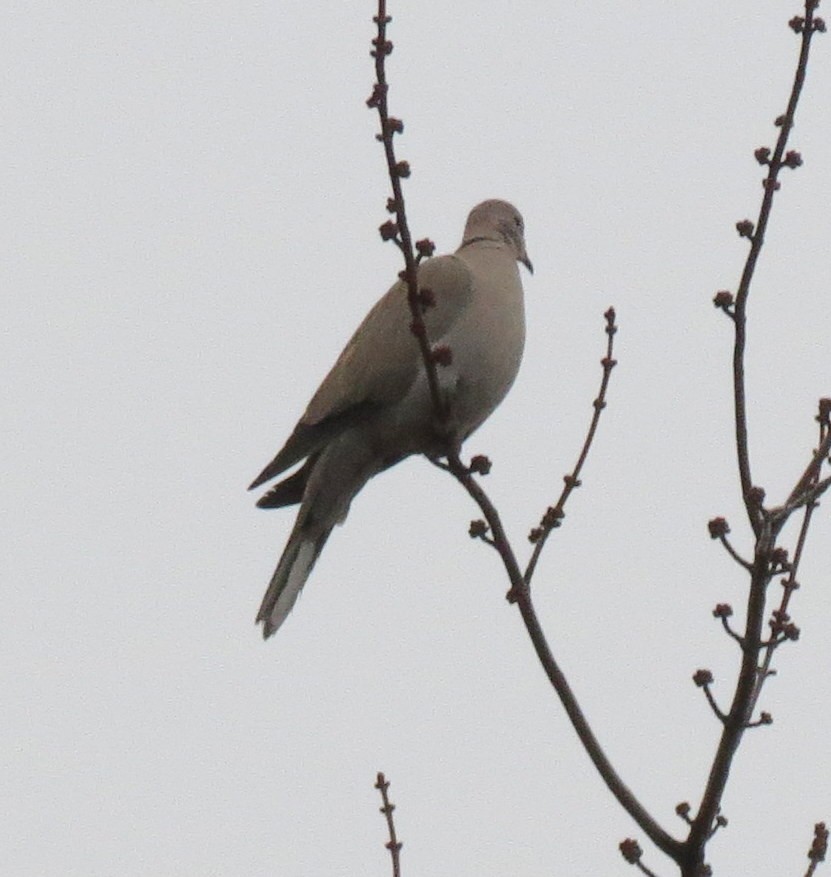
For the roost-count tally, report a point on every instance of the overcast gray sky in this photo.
(191, 193)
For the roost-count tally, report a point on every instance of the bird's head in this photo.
(499, 221)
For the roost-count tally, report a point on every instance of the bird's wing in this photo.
(381, 360)
(379, 363)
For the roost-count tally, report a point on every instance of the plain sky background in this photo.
(190, 198)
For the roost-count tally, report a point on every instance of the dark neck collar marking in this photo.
(480, 238)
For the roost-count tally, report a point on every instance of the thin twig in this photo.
(757, 238)
(811, 474)
(556, 513)
(644, 870)
(819, 848)
(764, 719)
(393, 844)
(736, 636)
(790, 584)
(713, 705)
(399, 232)
(810, 496)
(631, 851)
(734, 554)
(721, 822)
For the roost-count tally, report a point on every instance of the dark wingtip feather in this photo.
(290, 490)
(264, 476)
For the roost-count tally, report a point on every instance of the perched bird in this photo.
(374, 408)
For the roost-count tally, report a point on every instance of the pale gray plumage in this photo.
(373, 409)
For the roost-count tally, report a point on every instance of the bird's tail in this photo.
(296, 563)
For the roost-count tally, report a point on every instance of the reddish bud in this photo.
(442, 355)
(765, 718)
(791, 632)
(394, 126)
(426, 298)
(552, 518)
(630, 850)
(768, 183)
(382, 47)
(425, 248)
(756, 496)
(718, 527)
(723, 299)
(723, 610)
(402, 169)
(376, 97)
(480, 464)
(683, 809)
(819, 847)
(762, 155)
(793, 159)
(418, 328)
(535, 535)
(819, 25)
(388, 230)
(702, 678)
(392, 205)
(477, 529)
(796, 23)
(745, 228)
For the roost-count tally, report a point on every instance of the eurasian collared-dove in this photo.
(374, 409)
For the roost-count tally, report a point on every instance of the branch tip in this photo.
(819, 847)
(393, 844)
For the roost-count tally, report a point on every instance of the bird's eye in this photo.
(517, 222)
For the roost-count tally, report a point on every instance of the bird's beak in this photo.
(526, 262)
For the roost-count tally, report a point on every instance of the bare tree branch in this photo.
(766, 525)
(399, 231)
(756, 236)
(554, 515)
(393, 844)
